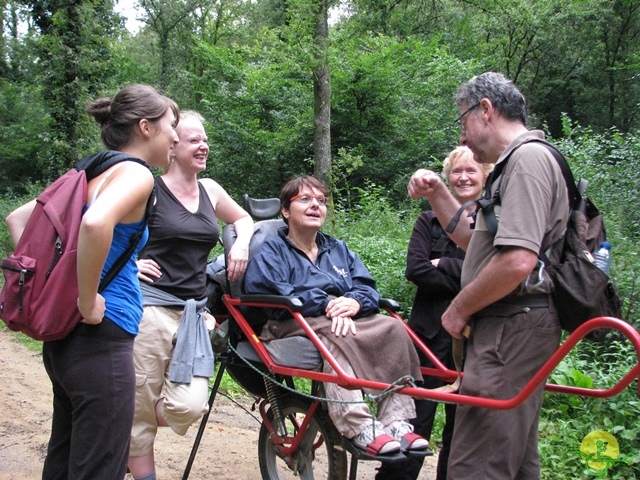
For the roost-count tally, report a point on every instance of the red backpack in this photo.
(40, 293)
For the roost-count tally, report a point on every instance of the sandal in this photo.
(378, 444)
(412, 441)
(402, 432)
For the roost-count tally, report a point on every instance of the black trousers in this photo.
(93, 380)
(409, 469)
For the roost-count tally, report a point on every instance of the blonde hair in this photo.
(463, 153)
(191, 115)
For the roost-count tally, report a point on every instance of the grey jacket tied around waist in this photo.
(193, 354)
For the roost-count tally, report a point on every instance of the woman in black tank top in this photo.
(182, 231)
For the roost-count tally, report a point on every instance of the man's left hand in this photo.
(454, 322)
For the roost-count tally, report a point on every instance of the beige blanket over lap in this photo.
(381, 350)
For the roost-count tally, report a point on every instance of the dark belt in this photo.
(512, 304)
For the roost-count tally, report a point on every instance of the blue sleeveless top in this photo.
(122, 296)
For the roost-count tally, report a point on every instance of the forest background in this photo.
(360, 93)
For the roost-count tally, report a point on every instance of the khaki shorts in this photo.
(182, 404)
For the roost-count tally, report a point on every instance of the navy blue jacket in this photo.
(280, 268)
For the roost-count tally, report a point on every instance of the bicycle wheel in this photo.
(319, 456)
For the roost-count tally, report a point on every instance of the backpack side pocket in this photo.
(15, 298)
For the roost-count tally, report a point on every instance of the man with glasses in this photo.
(505, 299)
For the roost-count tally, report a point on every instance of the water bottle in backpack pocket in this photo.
(602, 258)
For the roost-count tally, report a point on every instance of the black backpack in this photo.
(581, 290)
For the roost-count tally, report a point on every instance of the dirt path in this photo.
(228, 450)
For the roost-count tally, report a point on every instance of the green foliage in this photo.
(342, 167)
(73, 52)
(608, 161)
(391, 108)
(9, 202)
(260, 115)
(566, 420)
(392, 105)
(135, 62)
(562, 54)
(23, 133)
(379, 234)
(248, 67)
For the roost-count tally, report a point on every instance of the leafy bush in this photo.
(566, 420)
(379, 234)
(9, 202)
(24, 137)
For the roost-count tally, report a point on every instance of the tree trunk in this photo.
(322, 95)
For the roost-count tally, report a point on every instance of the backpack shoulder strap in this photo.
(98, 163)
(453, 223)
(124, 257)
(573, 192)
(487, 202)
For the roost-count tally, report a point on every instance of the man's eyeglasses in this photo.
(459, 119)
(306, 199)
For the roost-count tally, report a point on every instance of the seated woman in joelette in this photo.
(340, 303)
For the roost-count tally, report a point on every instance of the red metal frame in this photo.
(345, 381)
